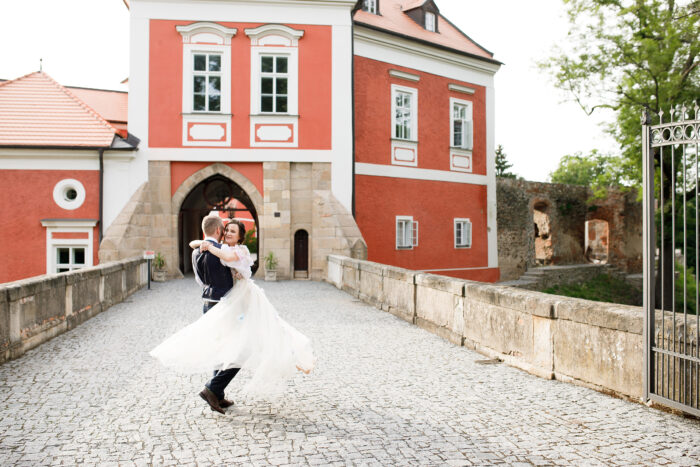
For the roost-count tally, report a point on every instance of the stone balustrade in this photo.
(34, 310)
(598, 345)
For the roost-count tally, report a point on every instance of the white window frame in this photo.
(68, 226)
(430, 21)
(274, 76)
(200, 39)
(370, 6)
(280, 40)
(467, 122)
(409, 239)
(466, 225)
(413, 127)
(206, 74)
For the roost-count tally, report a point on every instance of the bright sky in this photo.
(86, 43)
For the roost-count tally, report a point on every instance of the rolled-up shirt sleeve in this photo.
(196, 253)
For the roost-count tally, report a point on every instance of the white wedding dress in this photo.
(243, 331)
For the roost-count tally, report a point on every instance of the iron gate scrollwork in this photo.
(672, 259)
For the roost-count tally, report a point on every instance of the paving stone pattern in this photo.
(384, 392)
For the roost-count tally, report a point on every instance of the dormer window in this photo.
(430, 21)
(370, 6)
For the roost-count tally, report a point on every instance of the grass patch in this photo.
(602, 288)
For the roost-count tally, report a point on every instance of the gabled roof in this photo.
(35, 110)
(113, 106)
(392, 18)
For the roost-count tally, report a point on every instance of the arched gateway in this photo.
(217, 187)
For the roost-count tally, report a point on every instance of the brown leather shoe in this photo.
(211, 399)
(225, 403)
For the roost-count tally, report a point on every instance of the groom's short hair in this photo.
(210, 223)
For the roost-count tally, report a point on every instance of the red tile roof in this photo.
(393, 19)
(35, 110)
(111, 105)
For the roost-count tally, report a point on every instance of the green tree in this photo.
(627, 55)
(597, 170)
(502, 164)
(630, 55)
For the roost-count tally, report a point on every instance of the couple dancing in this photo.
(239, 328)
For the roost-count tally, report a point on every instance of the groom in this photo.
(216, 280)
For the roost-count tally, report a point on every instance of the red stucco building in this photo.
(360, 128)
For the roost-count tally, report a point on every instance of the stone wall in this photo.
(598, 345)
(544, 224)
(34, 310)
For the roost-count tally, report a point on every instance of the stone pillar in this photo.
(275, 221)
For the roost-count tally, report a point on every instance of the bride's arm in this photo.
(227, 255)
(194, 244)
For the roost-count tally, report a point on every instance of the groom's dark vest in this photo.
(216, 277)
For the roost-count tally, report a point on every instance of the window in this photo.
(462, 127)
(370, 6)
(406, 233)
(207, 83)
(274, 83)
(69, 244)
(69, 194)
(69, 258)
(404, 115)
(430, 21)
(463, 233)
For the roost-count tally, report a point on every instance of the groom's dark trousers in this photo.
(221, 378)
(217, 281)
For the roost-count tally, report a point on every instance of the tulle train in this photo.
(242, 331)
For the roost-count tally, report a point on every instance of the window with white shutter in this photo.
(462, 125)
(406, 233)
(463, 233)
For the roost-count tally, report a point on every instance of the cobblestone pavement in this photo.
(384, 392)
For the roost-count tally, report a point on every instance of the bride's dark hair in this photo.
(241, 230)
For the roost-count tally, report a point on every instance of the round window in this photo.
(69, 194)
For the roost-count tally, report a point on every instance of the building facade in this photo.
(331, 126)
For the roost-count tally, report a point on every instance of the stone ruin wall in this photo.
(544, 223)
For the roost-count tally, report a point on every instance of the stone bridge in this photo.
(384, 392)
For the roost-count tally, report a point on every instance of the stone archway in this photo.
(187, 186)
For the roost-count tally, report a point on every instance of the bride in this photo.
(243, 330)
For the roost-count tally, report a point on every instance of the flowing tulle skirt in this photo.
(243, 331)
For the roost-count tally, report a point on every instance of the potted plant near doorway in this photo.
(159, 268)
(271, 267)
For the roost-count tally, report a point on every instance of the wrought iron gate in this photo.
(672, 259)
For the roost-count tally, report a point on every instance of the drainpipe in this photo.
(352, 96)
(101, 151)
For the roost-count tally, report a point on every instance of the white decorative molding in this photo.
(266, 153)
(206, 130)
(274, 34)
(460, 88)
(68, 225)
(274, 131)
(69, 194)
(404, 153)
(404, 75)
(206, 33)
(395, 171)
(461, 161)
(391, 49)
